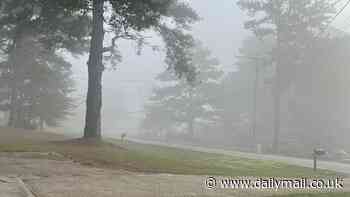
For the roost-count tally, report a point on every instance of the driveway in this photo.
(326, 165)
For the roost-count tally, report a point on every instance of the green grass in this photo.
(342, 194)
(162, 159)
(149, 158)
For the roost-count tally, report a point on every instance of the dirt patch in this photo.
(55, 178)
(10, 187)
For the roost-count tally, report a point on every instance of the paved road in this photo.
(327, 165)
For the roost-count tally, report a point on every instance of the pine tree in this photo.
(183, 105)
(43, 85)
(46, 25)
(293, 24)
(240, 89)
(129, 18)
(319, 102)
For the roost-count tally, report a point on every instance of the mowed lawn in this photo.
(147, 158)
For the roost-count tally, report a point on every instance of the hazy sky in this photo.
(126, 89)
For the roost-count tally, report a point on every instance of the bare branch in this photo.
(111, 48)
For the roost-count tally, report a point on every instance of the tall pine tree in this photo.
(43, 86)
(46, 25)
(293, 24)
(128, 19)
(180, 105)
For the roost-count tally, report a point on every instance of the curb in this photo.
(24, 188)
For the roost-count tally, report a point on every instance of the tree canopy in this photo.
(294, 25)
(129, 19)
(177, 104)
(32, 32)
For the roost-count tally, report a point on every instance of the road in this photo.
(326, 165)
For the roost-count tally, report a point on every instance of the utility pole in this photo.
(255, 93)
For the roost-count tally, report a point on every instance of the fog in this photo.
(233, 104)
(127, 88)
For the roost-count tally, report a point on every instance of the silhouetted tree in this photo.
(319, 103)
(240, 89)
(293, 24)
(43, 84)
(180, 104)
(127, 20)
(51, 24)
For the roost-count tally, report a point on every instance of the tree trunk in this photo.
(41, 124)
(277, 92)
(13, 109)
(277, 113)
(16, 110)
(191, 118)
(95, 69)
(13, 97)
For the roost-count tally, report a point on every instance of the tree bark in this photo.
(13, 97)
(277, 91)
(277, 113)
(12, 111)
(95, 69)
(191, 117)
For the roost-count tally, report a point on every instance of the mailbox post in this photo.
(122, 137)
(317, 153)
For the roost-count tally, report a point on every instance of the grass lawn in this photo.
(148, 158)
(343, 194)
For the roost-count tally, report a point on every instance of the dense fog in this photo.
(248, 70)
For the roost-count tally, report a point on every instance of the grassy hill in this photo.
(146, 158)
